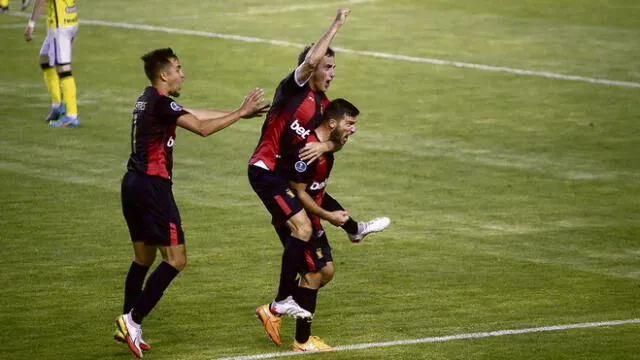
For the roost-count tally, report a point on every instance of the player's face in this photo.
(174, 77)
(344, 128)
(324, 73)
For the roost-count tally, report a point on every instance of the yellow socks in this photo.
(53, 84)
(68, 86)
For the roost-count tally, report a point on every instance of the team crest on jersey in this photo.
(319, 253)
(289, 193)
(301, 166)
(175, 106)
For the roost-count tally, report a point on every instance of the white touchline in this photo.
(444, 338)
(357, 52)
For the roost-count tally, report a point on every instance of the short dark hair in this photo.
(338, 108)
(156, 60)
(303, 54)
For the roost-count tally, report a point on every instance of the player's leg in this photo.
(144, 257)
(63, 51)
(307, 295)
(296, 244)
(135, 193)
(282, 205)
(356, 230)
(174, 260)
(134, 196)
(50, 76)
(157, 211)
(286, 210)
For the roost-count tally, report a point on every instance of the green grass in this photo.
(515, 200)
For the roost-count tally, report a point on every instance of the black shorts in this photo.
(317, 258)
(150, 210)
(275, 194)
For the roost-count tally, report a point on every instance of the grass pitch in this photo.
(515, 199)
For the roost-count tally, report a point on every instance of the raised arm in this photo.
(207, 122)
(38, 6)
(337, 218)
(319, 49)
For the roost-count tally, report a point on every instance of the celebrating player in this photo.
(147, 198)
(296, 110)
(309, 182)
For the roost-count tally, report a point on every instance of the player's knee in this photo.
(300, 226)
(304, 232)
(63, 69)
(327, 274)
(178, 263)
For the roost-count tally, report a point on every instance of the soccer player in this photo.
(147, 198)
(309, 182)
(4, 6)
(296, 110)
(55, 58)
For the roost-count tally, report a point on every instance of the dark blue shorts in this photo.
(275, 194)
(150, 210)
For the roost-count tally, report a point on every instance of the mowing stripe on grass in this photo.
(436, 339)
(367, 53)
(375, 54)
(260, 10)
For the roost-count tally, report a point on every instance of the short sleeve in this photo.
(168, 111)
(289, 86)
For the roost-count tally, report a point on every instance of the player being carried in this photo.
(309, 182)
(296, 110)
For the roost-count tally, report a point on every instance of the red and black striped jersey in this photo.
(153, 133)
(315, 175)
(295, 112)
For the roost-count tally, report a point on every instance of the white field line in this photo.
(366, 53)
(375, 54)
(357, 52)
(445, 338)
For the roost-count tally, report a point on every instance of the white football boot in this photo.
(373, 226)
(132, 333)
(290, 307)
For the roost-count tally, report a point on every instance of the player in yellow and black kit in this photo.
(55, 58)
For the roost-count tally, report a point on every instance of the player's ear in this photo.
(333, 123)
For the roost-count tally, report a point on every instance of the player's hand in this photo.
(311, 151)
(28, 32)
(254, 104)
(341, 16)
(338, 217)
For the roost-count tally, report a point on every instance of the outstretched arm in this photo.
(38, 6)
(319, 49)
(207, 122)
(216, 113)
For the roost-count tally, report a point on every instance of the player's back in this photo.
(153, 132)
